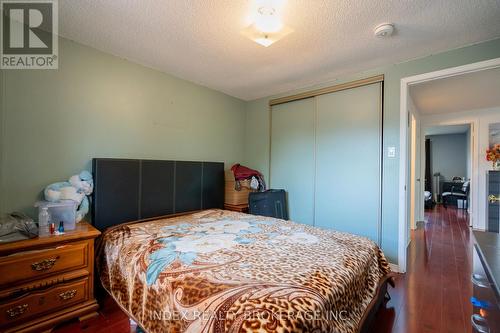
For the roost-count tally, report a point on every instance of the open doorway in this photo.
(461, 101)
(447, 166)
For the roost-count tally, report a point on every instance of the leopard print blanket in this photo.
(221, 271)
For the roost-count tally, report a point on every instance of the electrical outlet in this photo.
(391, 151)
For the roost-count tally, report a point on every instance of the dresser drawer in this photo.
(39, 302)
(30, 265)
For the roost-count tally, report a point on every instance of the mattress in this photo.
(221, 271)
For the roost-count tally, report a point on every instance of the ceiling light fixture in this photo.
(267, 27)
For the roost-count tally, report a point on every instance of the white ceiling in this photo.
(200, 40)
(448, 129)
(472, 91)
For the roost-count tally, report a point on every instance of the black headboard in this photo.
(129, 190)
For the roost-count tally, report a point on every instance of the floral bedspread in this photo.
(221, 271)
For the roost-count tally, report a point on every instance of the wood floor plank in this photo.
(436, 289)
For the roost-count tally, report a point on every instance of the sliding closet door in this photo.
(348, 143)
(292, 156)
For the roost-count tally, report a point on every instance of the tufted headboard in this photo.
(128, 190)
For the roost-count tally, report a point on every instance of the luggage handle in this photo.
(276, 204)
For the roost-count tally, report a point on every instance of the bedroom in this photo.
(157, 84)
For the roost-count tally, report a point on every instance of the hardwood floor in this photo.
(433, 296)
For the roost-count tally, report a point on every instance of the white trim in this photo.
(403, 158)
(394, 268)
(403, 129)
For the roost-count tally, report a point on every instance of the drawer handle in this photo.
(17, 310)
(69, 294)
(44, 264)
(479, 323)
(493, 198)
(480, 281)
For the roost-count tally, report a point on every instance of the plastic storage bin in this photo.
(64, 210)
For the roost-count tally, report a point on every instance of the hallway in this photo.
(434, 295)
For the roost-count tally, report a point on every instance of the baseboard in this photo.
(394, 268)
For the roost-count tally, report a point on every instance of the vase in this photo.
(496, 165)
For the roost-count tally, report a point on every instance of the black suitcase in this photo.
(270, 203)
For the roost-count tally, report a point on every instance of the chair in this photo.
(428, 202)
(457, 193)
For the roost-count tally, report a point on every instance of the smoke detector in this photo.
(384, 30)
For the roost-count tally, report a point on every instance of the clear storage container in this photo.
(64, 210)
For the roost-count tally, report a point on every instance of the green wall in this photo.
(53, 122)
(257, 122)
(449, 155)
(97, 105)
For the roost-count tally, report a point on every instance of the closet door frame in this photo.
(331, 89)
(327, 90)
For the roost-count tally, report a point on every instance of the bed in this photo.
(221, 271)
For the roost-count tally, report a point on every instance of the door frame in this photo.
(413, 144)
(406, 82)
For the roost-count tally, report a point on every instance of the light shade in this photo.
(267, 20)
(265, 38)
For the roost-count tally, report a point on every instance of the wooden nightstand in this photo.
(47, 280)
(237, 208)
